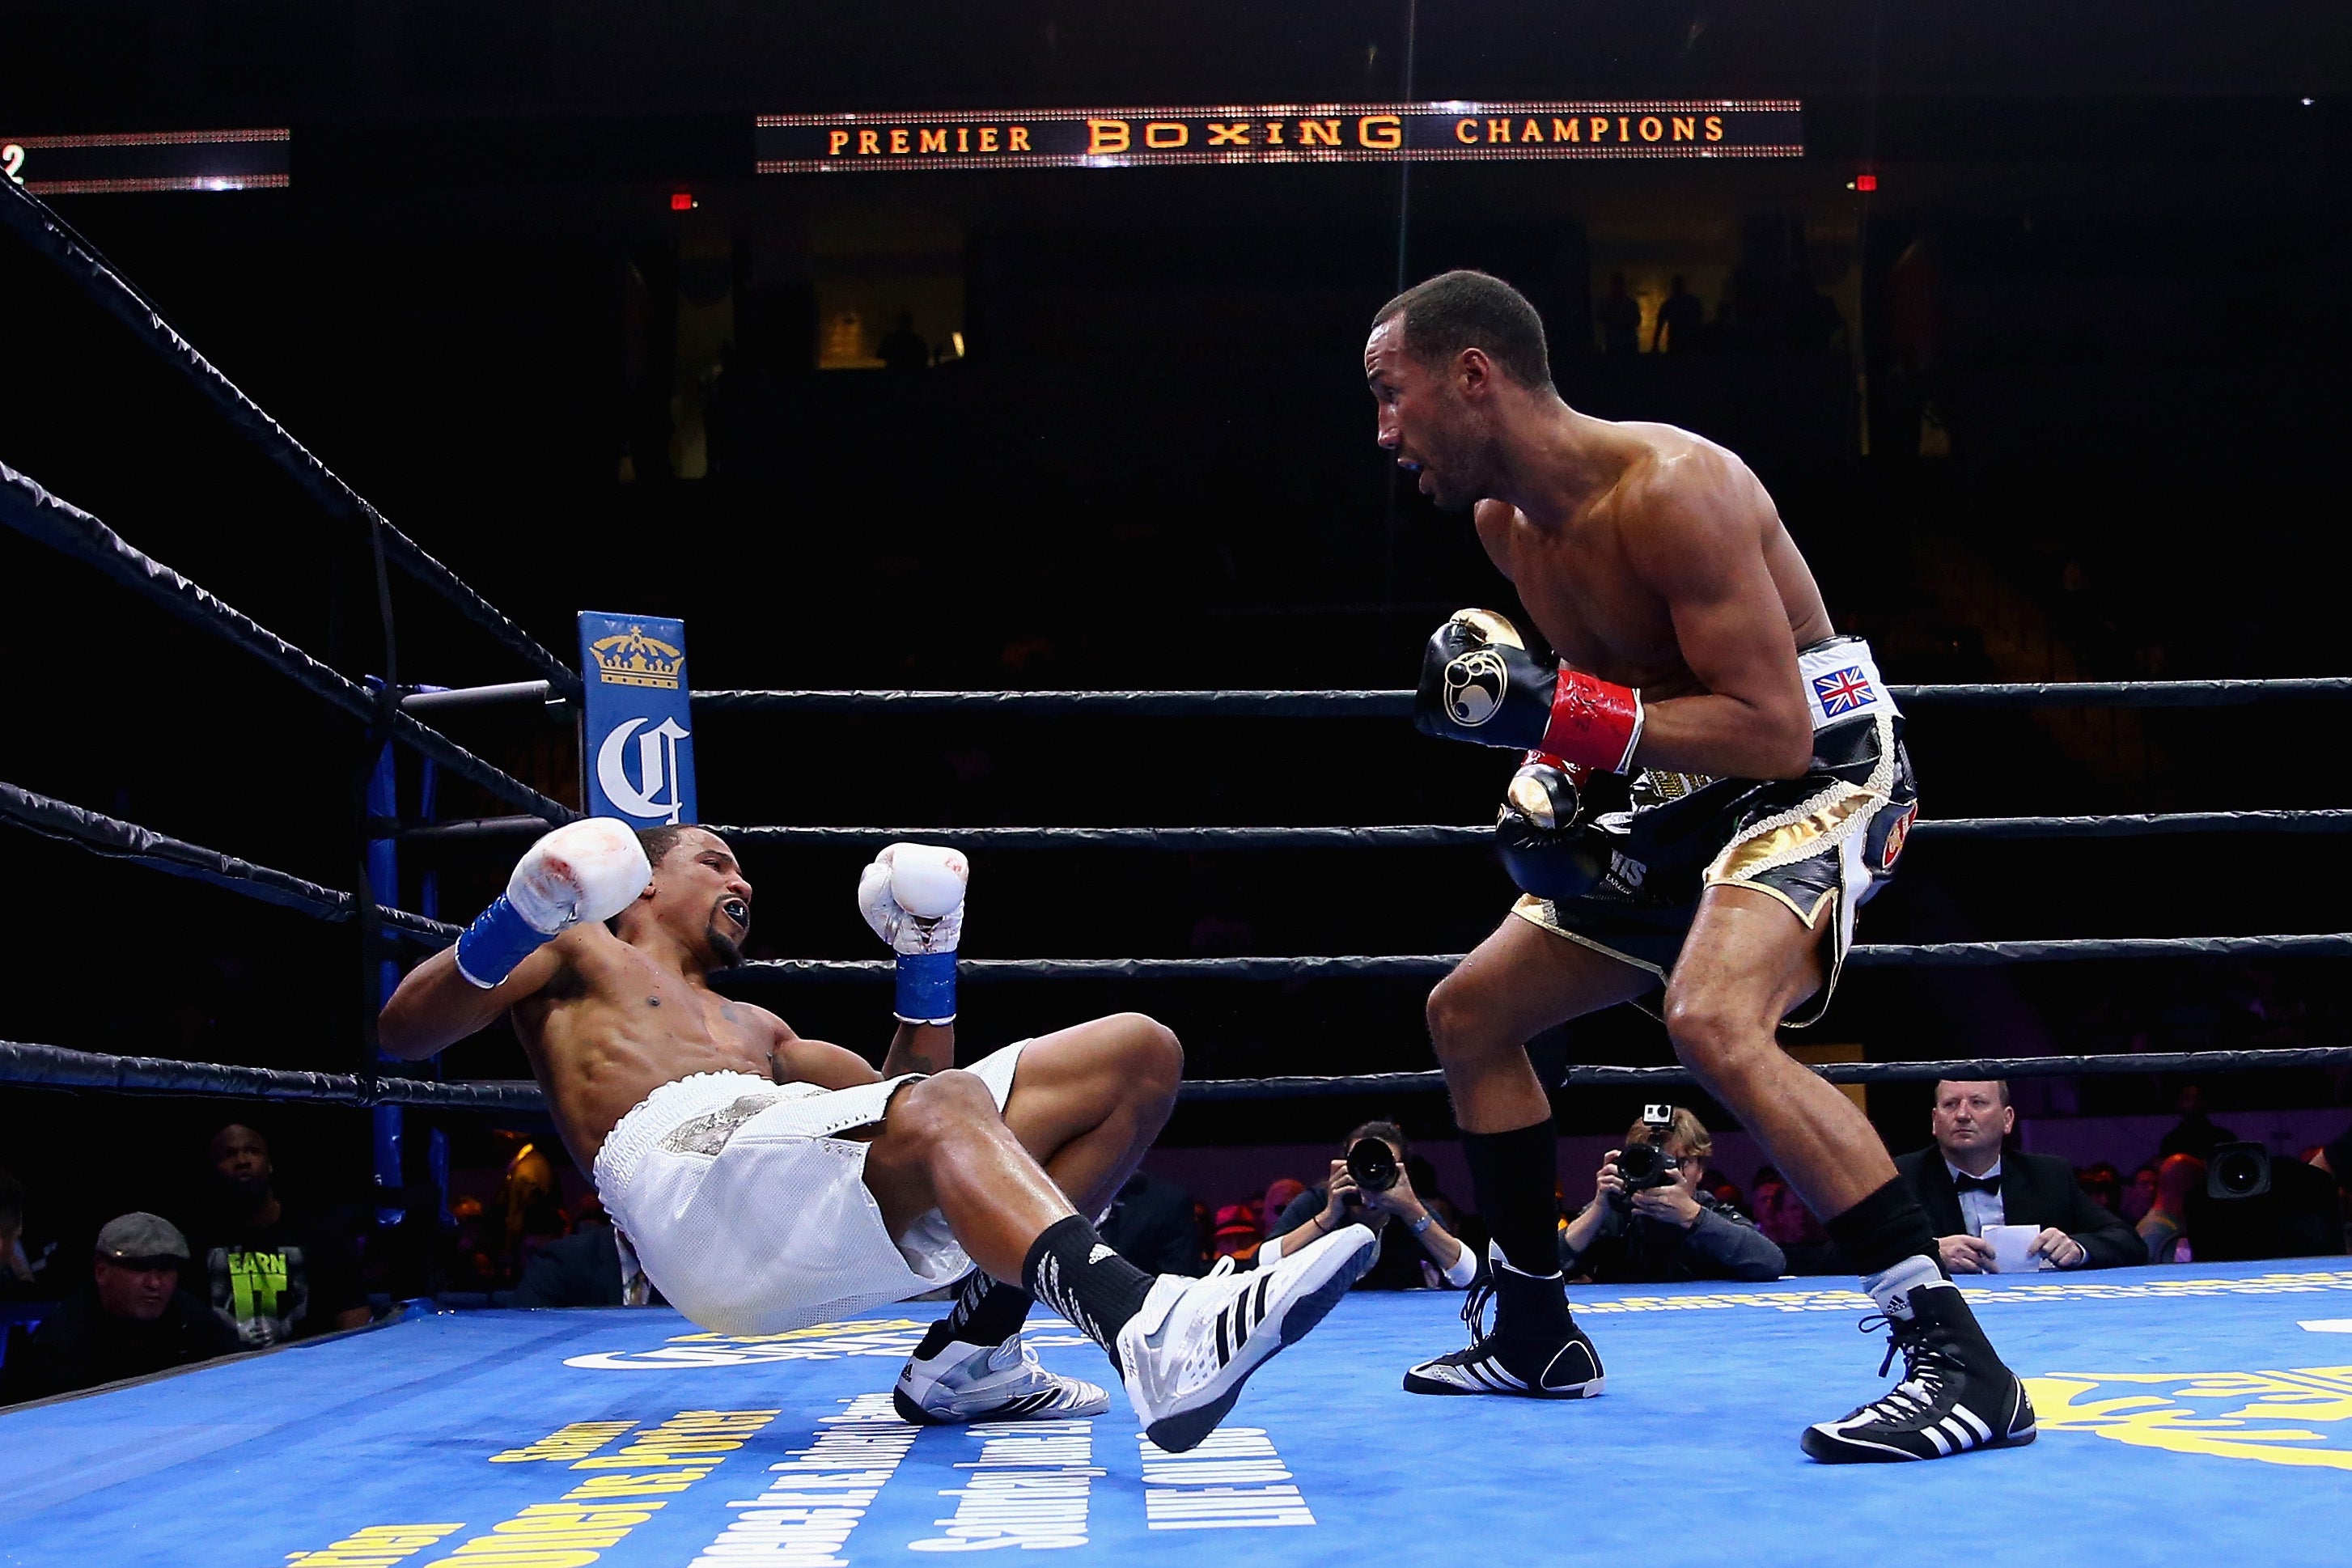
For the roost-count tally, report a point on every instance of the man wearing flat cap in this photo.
(134, 1319)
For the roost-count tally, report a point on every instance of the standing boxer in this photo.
(765, 1182)
(1713, 780)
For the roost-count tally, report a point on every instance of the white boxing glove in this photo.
(912, 895)
(586, 870)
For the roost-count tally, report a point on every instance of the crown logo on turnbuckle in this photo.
(633, 658)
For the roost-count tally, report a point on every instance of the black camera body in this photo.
(1643, 1166)
(1647, 1166)
(1373, 1164)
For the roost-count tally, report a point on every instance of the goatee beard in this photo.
(725, 948)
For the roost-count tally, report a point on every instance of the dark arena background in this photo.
(2035, 319)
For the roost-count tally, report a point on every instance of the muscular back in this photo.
(1680, 547)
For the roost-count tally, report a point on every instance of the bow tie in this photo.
(1968, 1183)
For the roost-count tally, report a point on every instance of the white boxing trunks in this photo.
(749, 1212)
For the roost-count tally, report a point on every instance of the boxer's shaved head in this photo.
(1457, 311)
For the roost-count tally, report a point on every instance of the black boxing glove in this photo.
(1479, 683)
(1547, 851)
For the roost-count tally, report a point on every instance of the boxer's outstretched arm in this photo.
(436, 1006)
(1701, 549)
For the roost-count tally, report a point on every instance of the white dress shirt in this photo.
(1979, 1209)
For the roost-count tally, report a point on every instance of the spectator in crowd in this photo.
(1280, 1193)
(2140, 1197)
(1618, 316)
(19, 1281)
(1785, 1221)
(2102, 1184)
(2165, 1228)
(1411, 1232)
(1673, 1231)
(904, 348)
(2195, 1133)
(2335, 1158)
(1682, 322)
(1151, 1225)
(134, 1319)
(273, 1275)
(528, 1212)
(1239, 1233)
(583, 1269)
(1966, 1182)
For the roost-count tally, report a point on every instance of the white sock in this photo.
(1892, 1288)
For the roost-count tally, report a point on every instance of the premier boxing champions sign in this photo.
(637, 745)
(1280, 133)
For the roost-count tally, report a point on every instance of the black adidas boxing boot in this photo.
(1955, 1395)
(1534, 1349)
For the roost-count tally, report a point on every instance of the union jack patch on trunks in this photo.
(1843, 691)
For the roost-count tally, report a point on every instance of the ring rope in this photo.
(126, 841)
(1422, 966)
(1333, 704)
(38, 226)
(55, 1067)
(34, 512)
(1441, 836)
(1307, 1085)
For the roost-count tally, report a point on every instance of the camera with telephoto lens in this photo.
(1373, 1164)
(1645, 1165)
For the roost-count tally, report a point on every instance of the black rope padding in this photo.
(1303, 1086)
(118, 840)
(1399, 704)
(2126, 693)
(1440, 836)
(1430, 965)
(58, 524)
(60, 1068)
(46, 232)
(56, 1067)
(1131, 704)
(1419, 837)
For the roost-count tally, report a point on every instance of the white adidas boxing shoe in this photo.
(991, 1383)
(1187, 1353)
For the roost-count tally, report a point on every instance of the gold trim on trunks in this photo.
(1541, 914)
(1812, 921)
(1788, 844)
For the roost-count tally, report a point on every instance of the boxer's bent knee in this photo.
(1716, 1032)
(1150, 1051)
(1467, 1022)
(939, 1109)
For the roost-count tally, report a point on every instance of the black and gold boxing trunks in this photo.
(1820, 844)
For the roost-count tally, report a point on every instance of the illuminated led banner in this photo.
(149, 161)
(1279, 134)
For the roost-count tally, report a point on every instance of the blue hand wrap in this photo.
(498, 939)
(926, 987)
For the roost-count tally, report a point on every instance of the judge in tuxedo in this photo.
(1967, 1180)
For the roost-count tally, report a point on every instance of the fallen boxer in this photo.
(764, 1182)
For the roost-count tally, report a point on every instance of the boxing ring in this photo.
(2189, 1415)
(2186, 1413)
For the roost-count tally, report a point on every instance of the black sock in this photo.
(1512, 1175)
(1074, 1272)
(987, 1311)
(1884, 1229)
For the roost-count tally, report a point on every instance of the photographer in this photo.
(1371, 1186)
(1649, 1222)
